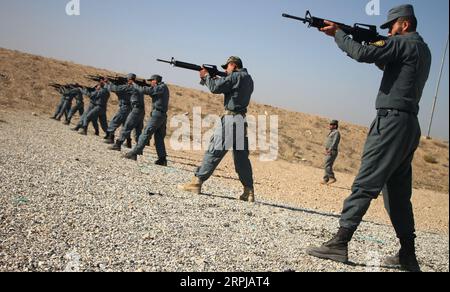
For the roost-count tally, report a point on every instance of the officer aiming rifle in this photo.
(116, 80)
(212, 69)
(361, 33)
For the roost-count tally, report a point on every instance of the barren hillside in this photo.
(23, 85)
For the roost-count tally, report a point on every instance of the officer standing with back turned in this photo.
(393, 138)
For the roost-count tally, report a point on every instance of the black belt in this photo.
(233, 113)
(386, 111)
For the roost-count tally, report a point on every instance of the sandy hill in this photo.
(23, 85)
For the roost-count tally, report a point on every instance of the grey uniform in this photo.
(237, 88)
(97, 109)
(332, 147)
(157, 125)
(59, 108)
(135, 119)
(79, 106)
(395, 134)
(68, 99)
(124, 110)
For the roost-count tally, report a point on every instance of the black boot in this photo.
(83, 131)
(161, 162)
(76, 129)
(110, 139)
(108, 134)
(336, 249)
(131, 155)
(117, 146)
(406, 259)
(97, 133)
(67, 122)
(129, 143)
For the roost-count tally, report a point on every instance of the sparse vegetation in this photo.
(430, 159)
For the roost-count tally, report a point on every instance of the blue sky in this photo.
(293, 67)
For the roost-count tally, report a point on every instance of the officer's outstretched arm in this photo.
(115, 88)
(152, 91)
(382, 52)
(219, 85)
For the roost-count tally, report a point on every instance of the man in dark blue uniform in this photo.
(157, 125)
(393, 138)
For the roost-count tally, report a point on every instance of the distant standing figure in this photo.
(331, 151)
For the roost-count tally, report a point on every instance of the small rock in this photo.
(147, 236)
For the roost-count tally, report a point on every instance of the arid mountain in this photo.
(24, 80)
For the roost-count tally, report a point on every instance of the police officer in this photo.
(135, 120)
(92, 100)
(237, 87)
(393, 138)
(124, 93)
(157, 125)
(68, 99)
(331, 152)
(79, 106)
(64, 91)
(96, 111)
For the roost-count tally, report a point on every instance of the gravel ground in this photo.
(66, 203)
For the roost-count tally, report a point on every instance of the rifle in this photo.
(212, 70)
(361, 33)
(116, 80)
(95, 78)
(59, 87)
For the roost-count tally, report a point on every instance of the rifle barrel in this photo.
(164, 61)
(295, 17)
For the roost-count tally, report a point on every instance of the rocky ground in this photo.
(66, 203)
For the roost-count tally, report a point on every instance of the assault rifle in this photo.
(361, 33)
(212, 69)
(64, 87)
(116, 80)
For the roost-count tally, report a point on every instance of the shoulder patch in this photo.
(380, 44)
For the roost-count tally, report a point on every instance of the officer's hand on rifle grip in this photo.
(203, 73)
(331, 29)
